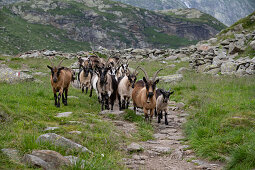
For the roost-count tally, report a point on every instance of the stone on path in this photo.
(64, 114)
(61, 141)
(115, 112)
(161, 149)
(134, 147)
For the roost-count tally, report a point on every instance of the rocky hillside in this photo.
(75, 25)
(226, 11)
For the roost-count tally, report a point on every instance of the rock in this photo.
(76, 84)
(241, 71)
(39, 74)
(180, 105)
(9, 75)
(228, 68)
(172, 78)
(233, 48)
(177, 154)
(171, 58)
(64, 114)
(116, 112)
(75, 160)
(75, 132)
(13, 154)
(212, 40)
(161, 149)
(182, 70)
(134, 147)
(51, 128)
(72, 97)
(171, 66)
(185, 59)
(36, 162)
(61, 141)
(225, 42)
(252, 44)
(53, 158)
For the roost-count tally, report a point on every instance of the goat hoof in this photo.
(166, 123)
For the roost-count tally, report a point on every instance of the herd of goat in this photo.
(112, 79)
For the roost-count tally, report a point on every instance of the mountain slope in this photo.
(225, 11)
(93, 24)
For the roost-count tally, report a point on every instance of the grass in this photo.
(220, 126)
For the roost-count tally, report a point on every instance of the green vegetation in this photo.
(203, 19)
(17, 35)
(162, 40)
(220, 125)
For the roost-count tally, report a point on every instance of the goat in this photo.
(123, 69)
(125, 88)
(143, 94)
(84, 77)
(104, 87)
(61, 78)
(162, 103)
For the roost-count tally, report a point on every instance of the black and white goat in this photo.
(162, 103)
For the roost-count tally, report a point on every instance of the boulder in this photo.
(182, 70)
(53, 158)
(172, 78)
(161, 149)
(172, 58)
(252, 44)
(228, 68)
(9, 75)
(13, 154)
(61, 141)
(36, 162)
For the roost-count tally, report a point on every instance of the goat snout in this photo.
(150, 94)
(55, 80)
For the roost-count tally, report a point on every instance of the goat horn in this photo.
(169, 89)
(52, 65)
(137, 68)
(155, 75)
(145, 73)
(61, 62)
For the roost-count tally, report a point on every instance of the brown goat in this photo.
(144, 96)
(61, 78)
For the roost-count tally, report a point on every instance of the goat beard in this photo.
(148, 100)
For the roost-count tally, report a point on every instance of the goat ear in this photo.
(161, 91)
(144, 79)
(156, 82)
(171, 92)
(49, 67)
(61, 68)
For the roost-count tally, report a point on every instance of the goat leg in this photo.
(56, 99)
(156, 114)
(82, 89)
(166, 122)
(127, 104)
(159, 116)
(87, 90)
(91, 89)
(119, 102)
(66, 91)
(59, 97)
(63, 98)
(102, 102)
(151, 114)
(146, 114)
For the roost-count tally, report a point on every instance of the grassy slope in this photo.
(19, 36)
(248, 25)
(204, 19)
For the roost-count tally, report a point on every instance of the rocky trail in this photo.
(168, 149)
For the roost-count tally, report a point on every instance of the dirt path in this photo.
(167, 151)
